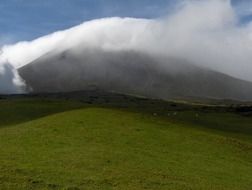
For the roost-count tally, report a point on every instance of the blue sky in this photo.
(29, 19)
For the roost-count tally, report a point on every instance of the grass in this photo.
(57, 144)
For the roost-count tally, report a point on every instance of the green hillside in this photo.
(65, 144)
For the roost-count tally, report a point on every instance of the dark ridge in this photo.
(117, 100)
(131, 72)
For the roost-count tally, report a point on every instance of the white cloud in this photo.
(203, 32)
(9, 80)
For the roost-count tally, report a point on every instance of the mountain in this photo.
(130, 72)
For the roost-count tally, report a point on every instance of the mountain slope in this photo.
(69, 145)
(130, 72)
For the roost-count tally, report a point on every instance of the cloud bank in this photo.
(206, 33)
(10, 82)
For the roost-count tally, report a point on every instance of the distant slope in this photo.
(69, 145)
(133, 73)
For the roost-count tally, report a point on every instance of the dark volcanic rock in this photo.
(131, 73)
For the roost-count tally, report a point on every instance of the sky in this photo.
(214, 34)
(28, 19)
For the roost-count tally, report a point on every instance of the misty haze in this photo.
(198, 36)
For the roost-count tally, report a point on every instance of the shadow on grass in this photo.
(18, 111)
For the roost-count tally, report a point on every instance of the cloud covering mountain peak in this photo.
(205, 33)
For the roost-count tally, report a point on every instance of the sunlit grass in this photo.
(67, 145)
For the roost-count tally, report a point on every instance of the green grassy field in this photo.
(59, 144)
